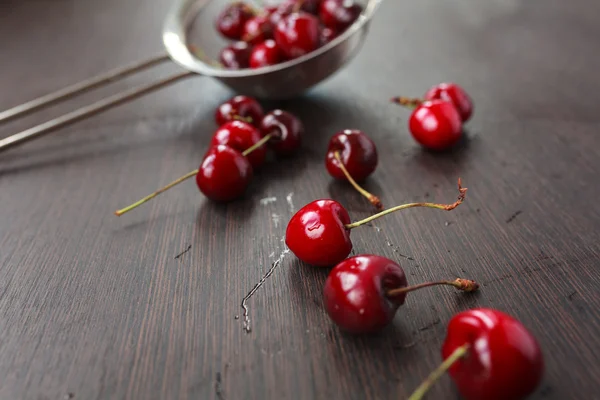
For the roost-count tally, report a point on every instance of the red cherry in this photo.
(230, 22)
(339, 14)
(257, 29)
(239, 107)
(319, 233)
(503, 360)
(241, 136)
(489, 355)
(236, 56)
(286, 131)
(224, 174)
(436, 125)
(454, 94)
(363, 293)
(355, 293)
(265, 54)
(327, 35)
(297, 34)
(352, 155)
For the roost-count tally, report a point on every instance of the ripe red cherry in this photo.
(265, 54)
(454, 94)
(363, 293)
(319, 233)
(327, 35)
(503, 360)
(241, 136)
(339, 14)
(355, 293)
(286, 131)
(257, 29)
(489, 355)
(230, 22)
(297, 34)
(352, 155)
(244, 107)
(236, 56)
(224, 174)
(436, 124)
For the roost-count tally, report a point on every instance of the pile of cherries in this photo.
(281, 33)
(238, 148)
(436, 121)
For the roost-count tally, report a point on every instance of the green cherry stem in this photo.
(447, 207)
(177, 181)
(371, 197)
(408, 102)
(466, 285)
(456, 355)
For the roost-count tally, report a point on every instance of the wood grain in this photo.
(98, 307)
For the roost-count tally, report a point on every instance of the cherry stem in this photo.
(371, 197)
(243, 119)
(122, 211)
(465, 285)
(190, 174)
(446, 207)
(256, 145)
(456, 355)
(408, 102)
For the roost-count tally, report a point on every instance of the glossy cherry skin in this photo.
(435, 125)
(454, 94)
(327, 35)
(297, 34)
(241, 136)
(287, 131)
(239, 106)
(258, 29)
(265, 54)
(357, 151)
(317, 235)
(224, 174)
(504, 360)
(236, 56)
(355, 293)
(230, 22)
(339, 14)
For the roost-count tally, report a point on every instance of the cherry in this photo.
(489, 355)
(352, 155)
(286, 131)
(436, 125)
(454, 94)
(230, 22)
(297, 34)
(309, 6)
(339, 14)
(265, 54)
(327, 35)
(239, 107)
(236, 56)
(319, 233)
(224, 174)
(362, 293)
(240, 136)
(258, 29)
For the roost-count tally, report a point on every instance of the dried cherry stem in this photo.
(466, 285)
(456, 355)
(447, 207)
(190, 174)
(256, 145)
(243, 119)
(408, 102)
(371, 197)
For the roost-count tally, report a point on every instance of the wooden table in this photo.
(98, 307)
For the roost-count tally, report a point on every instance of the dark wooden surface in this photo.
(97, 307)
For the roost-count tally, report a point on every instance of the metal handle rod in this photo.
(89, 110)
(80, 87)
